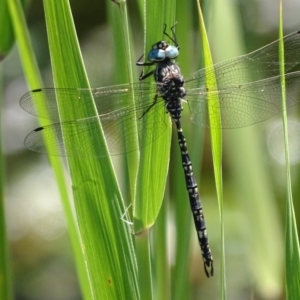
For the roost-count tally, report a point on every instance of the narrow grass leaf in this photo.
(7, 39)
(34, 81)
(7, 36)
(118, 20)
(5, 271)
(216, 136)
(292, 243)
(106, 241)
(154, 159)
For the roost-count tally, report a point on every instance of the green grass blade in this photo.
(7, 39)
(5, 271)
(161, 267)
(34, 81)
(216, 138)
(125, 59)
(259, 237)
(292, 251)
(106, 241)
(154, 159)
(123, 74)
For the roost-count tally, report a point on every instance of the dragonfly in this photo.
(248, 88)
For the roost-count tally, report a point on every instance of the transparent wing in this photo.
(248, 88)
(245, 104)
(260, 64)
(119, 119)
(109, 99)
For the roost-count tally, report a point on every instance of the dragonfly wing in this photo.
(121, 127)
(44, 102)
(255, 66)
(246, 104)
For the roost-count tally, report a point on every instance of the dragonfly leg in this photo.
(143, 64)
(144, 76)
(150, 106)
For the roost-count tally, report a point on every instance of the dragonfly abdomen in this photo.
(195, 201)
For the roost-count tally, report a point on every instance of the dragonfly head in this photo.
(162, 51)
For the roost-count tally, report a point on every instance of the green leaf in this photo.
(216, 137)
(106, 241)
(7, 37)
(5, 270)
(292, 258)
(34, 81)
(154, 159)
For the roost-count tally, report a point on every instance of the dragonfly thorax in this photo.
(170, 81)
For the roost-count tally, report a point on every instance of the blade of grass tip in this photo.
(292, 242)
(34, 81)
(216, 137)
(155, 157)
(105, 236)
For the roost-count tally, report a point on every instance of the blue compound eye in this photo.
(172, 52)
(156, 55)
